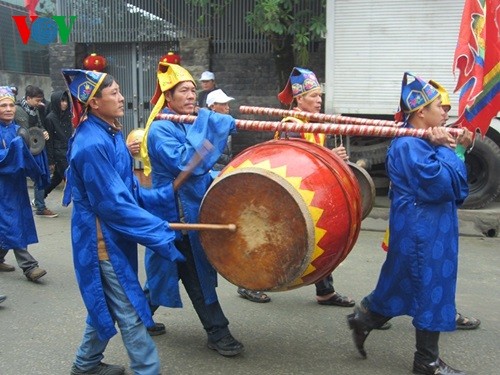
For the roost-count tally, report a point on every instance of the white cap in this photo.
(218, 96)
(207, 76)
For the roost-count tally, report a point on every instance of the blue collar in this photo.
(103, 124)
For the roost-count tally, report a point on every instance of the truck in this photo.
(369, 45)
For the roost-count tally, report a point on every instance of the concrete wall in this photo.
(23, 80)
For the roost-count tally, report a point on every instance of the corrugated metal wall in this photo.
(133, 20)
(376, 41)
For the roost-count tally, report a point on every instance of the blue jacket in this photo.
(171, 146)
(103, 186)
(17, 227)
(419, 275)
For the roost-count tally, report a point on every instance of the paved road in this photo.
(41, 323)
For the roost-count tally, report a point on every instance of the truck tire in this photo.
(372, 149)
(483, 173)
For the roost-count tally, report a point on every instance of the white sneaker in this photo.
(33, 203)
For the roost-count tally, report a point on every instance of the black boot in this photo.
(362, 321)
(427, 359)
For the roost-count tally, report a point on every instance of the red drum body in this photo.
(297, 208)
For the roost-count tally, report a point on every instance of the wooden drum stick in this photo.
(185, 226)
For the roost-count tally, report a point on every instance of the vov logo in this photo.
(44, 30)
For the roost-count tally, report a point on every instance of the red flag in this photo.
(477, 56)
(30, 6)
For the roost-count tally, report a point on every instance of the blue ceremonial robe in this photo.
(171, 146)
(103, 186)
(419, 275)
(17, 227)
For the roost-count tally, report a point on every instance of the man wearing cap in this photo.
(167, 150)
(218, 102)
(418, 277)
(463, 322)
(303, 91)
(17, 227)
(109, 219)
(208, 85)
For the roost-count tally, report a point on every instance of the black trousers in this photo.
(211, 316)
(57, 177)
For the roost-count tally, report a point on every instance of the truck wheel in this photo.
(372, 149)
(483, 176)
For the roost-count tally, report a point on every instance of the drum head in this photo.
(37, 140)
(274, 239)
(366, 187)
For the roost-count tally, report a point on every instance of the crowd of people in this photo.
(418, 277)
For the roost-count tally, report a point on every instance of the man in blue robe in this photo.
(418, 277)
(110, 216)
(17, 227)
(167, 150)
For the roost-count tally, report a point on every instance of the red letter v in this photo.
(22, 27)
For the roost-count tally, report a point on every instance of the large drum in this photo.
(297, 208)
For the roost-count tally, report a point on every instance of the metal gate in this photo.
(134, 65)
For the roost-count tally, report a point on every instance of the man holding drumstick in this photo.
(167, 150)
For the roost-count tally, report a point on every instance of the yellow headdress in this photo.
(168, 76)
(445, 97)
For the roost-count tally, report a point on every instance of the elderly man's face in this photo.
(311, 101)
(7, 110)
(182, 99)
(208, 85)
(220, 108)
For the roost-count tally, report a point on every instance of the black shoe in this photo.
(359, 332)
(435, 368)
(157, 330)
(101, 369)
(227, 346)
